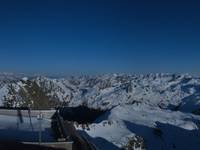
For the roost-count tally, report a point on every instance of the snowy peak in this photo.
(107, 91)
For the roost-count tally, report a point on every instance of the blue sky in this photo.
(103, 36)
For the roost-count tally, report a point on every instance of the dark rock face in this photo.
(136, 142)
(81, 114)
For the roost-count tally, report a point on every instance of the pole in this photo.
(29, 113)
(40, 127)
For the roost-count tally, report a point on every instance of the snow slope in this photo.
(160, 129)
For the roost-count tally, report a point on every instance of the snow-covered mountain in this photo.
(167, 91)
(152, 111)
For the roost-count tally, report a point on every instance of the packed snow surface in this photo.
(177, 129)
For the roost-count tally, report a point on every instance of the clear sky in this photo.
(99, 36)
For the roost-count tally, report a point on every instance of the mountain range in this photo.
(142, 111)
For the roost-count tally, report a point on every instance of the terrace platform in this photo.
(28, 128)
